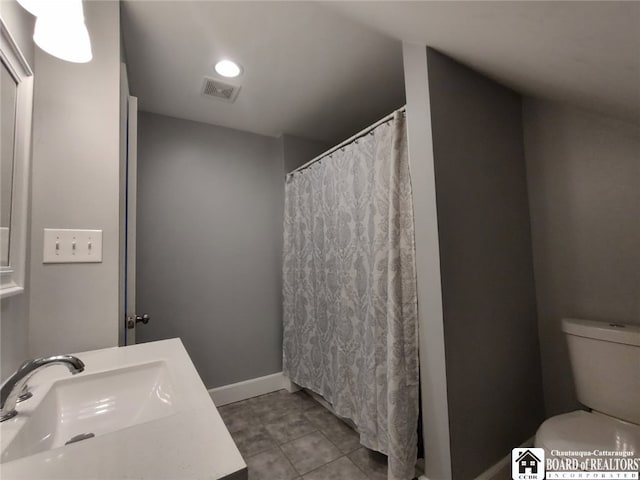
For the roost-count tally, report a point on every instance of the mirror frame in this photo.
(12, 277)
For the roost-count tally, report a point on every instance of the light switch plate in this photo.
(72, 246)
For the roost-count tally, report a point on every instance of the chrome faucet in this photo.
(14, 385)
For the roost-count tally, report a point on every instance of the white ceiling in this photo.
(308, 71)
(583, 53)
(325, 70)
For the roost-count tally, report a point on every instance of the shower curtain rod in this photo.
(348, 141)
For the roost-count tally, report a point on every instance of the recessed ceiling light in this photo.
(228, 69)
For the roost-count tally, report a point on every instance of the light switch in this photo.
(72, 246)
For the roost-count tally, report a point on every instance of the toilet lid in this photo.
(587, 431)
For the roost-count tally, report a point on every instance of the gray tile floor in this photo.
(284, 436)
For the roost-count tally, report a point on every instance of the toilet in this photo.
(605, 359)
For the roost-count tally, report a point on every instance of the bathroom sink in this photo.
(82, 407)
(139, 411)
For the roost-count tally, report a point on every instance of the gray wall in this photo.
(584, 190)
(14, 317)
(210, 206)
(490, 331)
(297, 151)
(75, 184)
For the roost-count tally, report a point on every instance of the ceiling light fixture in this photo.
(34, 7)
(228, 69)
(60, 29)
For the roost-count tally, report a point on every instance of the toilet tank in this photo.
(605, 359)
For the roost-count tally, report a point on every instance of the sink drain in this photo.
(79, 438)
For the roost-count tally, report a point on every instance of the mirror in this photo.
(16, 98)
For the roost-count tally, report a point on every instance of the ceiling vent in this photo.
(222, 91)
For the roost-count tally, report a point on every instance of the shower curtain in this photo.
(349, 286)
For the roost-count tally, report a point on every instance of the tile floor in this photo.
(284, 436)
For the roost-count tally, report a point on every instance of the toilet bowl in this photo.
(582, 431)
(605, 359)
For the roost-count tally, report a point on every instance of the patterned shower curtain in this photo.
(350, 304)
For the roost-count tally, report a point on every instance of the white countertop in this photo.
(192, 443)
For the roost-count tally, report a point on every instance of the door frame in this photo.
(127, 208)
(130, 221)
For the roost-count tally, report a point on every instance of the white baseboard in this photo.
(251, 388)
(503, 464)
